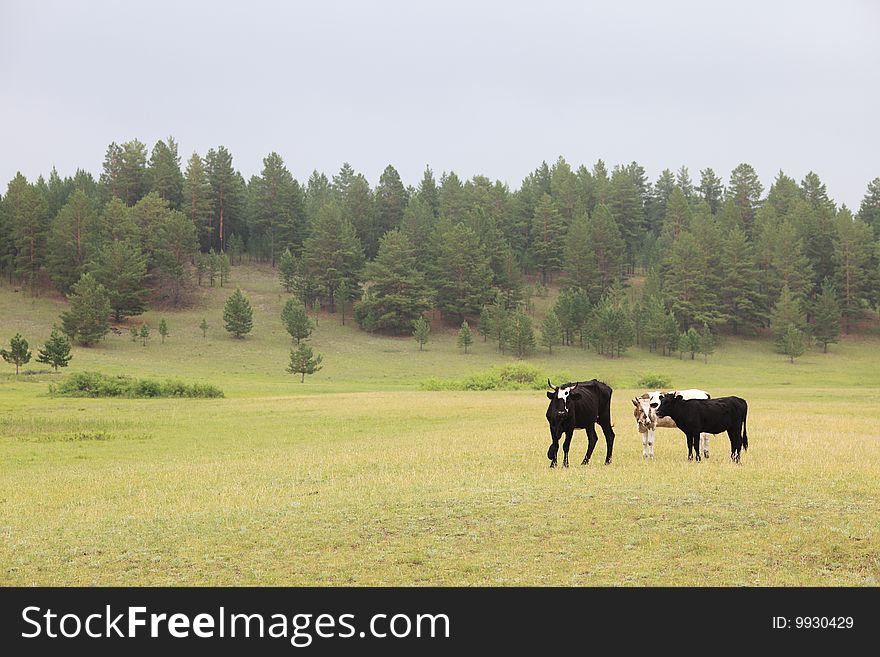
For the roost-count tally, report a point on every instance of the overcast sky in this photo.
(475, 87)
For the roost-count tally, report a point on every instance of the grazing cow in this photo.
(694, 416)
(647, 421)
(579, 406)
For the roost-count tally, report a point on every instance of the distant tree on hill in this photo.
(787, 311)
(826, 316)
(134, 333)
(163, 329)
(287, 271)
(793, 342)
(421, 328)
(144, 333)
(204, 326)
(121, 267)
(551, 331)
(56, 351)
(296, 320)
(87, 319)
(690, 340)
(341, 299)
(303, 361)
(484, 325)
(225, 268)
(465, 336)
(238, 315)
(707, 342)
(522, 336)
(18, 353)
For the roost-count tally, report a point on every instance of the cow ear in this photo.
(679, 397)
(549, 395)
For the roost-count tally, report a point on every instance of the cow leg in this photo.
(592, 439)
(608, 432)
(650, 438)
(645, 445)
(735, 442)
(553, 450)
(696, 441)
(690, 442)
(565, 446)
(704, 444)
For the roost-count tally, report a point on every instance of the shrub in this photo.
(654, 381)
(95, 384)
(516, 376)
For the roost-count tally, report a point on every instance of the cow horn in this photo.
(550, 384)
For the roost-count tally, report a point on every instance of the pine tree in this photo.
(551, 331)
(163, 329)
(74, 237)
(548, 232)
(196, 202)
(711, 189)
(678, 216)
(826, 316)
(273, 204)
(25, 209)
(121, 267)
(663, 189)
(225, 268)
(787, 312)
(852, 256)
(175, 245)
(391, 200)
(204, 326)
(707, 342)
(793, 342)
(692, 341)
(628, 212)
(421, 328)
(303, 361)
(238, 315)
(869, 210)
(226, 195)
(461, 275)
(745, 189)
(740, 293)
(296, 320)
(484, 326)
(607, 248)
(522, 336)
(133, 331)
(87, 321)
(399, 292)
(56, 351)
(163, 174)
(341, 299)
(144, 333)
(465, 337)
(333, 253)
(287, 271)
(18, 353)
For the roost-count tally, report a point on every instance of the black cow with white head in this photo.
(696, 416)
(579, 406)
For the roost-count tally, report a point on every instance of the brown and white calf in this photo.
(647, 420)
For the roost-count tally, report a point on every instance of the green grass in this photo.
(358, 477)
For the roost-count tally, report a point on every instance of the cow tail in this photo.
(745, 445)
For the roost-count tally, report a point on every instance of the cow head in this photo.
(645, 412)
(559, 409)
(668, 401)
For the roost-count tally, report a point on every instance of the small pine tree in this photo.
(707, 342)
(201, 267)
(485, 325)
(296, 320)
(163, 330)
(56, 351)
(18, 353)
(204, 326)
(682, 345)
(287, 271)
(793, 342)
(87, 320)
(551, 330)
(224, 268)
(465, 336)
(670, 334)
(786, 311)
(134, 333)
(238, 315)
(213, 266)
(826, 316)
(302, 361)
(692, 342)
(144, 333)
(341, 299)
(421, 328)
(522, 337)
(316, 308)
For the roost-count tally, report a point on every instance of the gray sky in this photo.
(488, 87)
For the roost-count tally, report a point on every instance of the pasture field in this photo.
(357, 477)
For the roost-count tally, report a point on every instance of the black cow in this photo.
(579, 406)
(695, 416)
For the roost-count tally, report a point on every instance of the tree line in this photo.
(712, 256)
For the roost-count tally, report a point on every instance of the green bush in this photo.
(95, 384)
(516, 376)
(654, 381)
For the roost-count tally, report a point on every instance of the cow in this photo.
(647, 421)
(579, 406)
(695, 416)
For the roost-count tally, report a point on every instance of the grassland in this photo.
(357, 477)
